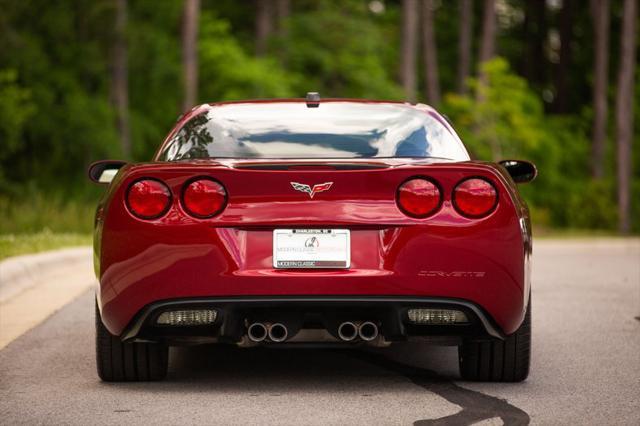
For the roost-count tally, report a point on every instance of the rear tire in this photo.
(128, 362)
(498, 360)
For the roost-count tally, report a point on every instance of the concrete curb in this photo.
(19, 273)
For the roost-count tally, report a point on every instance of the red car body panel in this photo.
(483, 261)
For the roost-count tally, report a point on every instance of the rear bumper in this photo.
(495, 293)
(304, 313)
(409, 262)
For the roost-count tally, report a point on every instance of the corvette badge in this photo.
(321, 187)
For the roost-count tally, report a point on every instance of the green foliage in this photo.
(16, 107)
(340, 50)
(56, 115)
(155, 85)
(71, 120)
(505, 119)
(227, 72)
(498, 120)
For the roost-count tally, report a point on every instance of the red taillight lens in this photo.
(475, 197)
(204, 198)
(148, 199)
(419, 197)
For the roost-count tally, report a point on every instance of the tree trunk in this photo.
(600, 14)
(264, 25)
(119, 80)
(430, 51)
(535, 29)
(488, 40)
(624, 112)
(409, 48)
(190, 52)
(465, 31)
(283, 10)
(487, 50)
(561, 101)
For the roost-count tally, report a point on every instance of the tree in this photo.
(238, 73)
(600, 14)
(264, 25)
(465, 31)
(283, 10)
(430, 54)
(535, 29)
(408, 48)
(342, 51)
(482, 88)
(624, 112)
(488, 40)
(561, 100)
(119, 80)
(190, 19)
(508, 120)
(16, 107)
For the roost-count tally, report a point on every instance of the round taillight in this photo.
(475, 197)
(419, 197)
(204, 198)
(148, 198)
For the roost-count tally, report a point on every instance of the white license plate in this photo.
(311, 248)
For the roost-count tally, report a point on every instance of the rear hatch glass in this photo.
(335, 129)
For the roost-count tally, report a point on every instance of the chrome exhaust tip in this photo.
(368, 331)
(257, 332)
(278, 332)
(347, 331)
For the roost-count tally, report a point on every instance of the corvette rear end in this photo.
(285, 223)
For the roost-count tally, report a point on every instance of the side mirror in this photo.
(521, 171)
(104, 171)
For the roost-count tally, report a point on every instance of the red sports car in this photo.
(309, 221)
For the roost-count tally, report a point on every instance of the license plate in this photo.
(311, 248)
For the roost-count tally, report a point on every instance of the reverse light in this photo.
(204, 198)
(436, 316)
(419, 197)
(187, 317)
(148, 198)
(475, 197)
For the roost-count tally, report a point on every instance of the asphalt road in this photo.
(585, 369)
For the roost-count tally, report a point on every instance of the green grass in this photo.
(40, 222)
(37, 213)
(17, 244)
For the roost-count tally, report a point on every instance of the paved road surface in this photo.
(586, 367)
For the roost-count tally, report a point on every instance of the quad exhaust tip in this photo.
(368, 331)
(278, 332)
(257, 332)
(347, 331)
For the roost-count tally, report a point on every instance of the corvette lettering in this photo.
(321, 187)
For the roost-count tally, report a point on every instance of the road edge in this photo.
(35, 286)
(19, 273)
